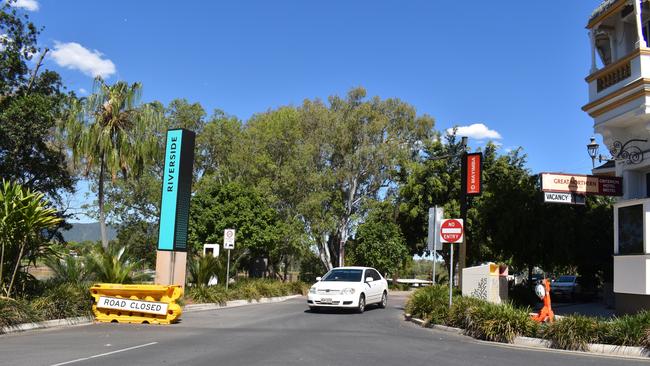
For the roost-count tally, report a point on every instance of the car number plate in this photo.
(326, 300)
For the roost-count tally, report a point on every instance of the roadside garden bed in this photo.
(505, 322)
(66, 301)
(243, 290)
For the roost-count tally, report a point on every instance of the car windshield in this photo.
(565, 279)
(344, 275)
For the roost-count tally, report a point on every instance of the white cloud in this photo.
(75, 56)
(476, 131)
(83, 91)
(30, 5)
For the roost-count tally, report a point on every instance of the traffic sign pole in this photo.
(451, 271)
(228, 243)
(228, 270)
(451, 231)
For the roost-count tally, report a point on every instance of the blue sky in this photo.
(517, 67)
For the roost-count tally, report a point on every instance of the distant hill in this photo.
(90, 231)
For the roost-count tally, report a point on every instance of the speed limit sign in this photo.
(229, 239)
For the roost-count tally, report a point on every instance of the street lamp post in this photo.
(592, 150)
(620, 151)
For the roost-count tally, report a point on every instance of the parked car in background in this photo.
(565, 287)
(349, 287)
(573, 288)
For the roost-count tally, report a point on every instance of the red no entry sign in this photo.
(451, 231)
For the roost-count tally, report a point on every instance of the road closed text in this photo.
(149, 307)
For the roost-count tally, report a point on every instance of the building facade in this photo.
(619, 103)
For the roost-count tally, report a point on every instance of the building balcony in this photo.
(620, 88)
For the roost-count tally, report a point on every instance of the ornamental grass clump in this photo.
(246, 290)
(208, 294)
(628, 330)
(64, 300)
(298, 288)
(573, 332)
(645, 342)
(498, 323)
(270, 288)
(14, 312)
(459, 312)
(430, 303)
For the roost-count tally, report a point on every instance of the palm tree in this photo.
(112, 265)
(111, 133)
(68, 269)
(202, 268)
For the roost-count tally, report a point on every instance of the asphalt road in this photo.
(275, 334)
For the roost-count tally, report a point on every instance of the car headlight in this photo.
(347, 291)
(312, 290)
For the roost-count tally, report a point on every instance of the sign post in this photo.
(228, 243)
(470, 181)
(433, 240)
(451, 231)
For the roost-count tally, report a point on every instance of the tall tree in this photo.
(379, 243)
(112, 134)
(31, 103)
(216, 207)
(320, 161)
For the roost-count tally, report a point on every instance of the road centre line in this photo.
(104, 354)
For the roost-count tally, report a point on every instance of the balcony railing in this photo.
(614, 76)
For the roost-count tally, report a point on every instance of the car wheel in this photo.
(384, 300)
(362, 304)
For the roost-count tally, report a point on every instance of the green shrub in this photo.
(270, 288)
(499, 323)
(399, 286)
(208, 294)
(64, 300)
(573, 332)
(628, 330)
(645, 342)
(430, 303)
(245, 290)
(14, 312)
(458, 314)
(298, 288)
(199, 294)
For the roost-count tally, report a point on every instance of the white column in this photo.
(612, 45)
(592, 40)
(637, 13)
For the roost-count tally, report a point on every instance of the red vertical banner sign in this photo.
(473, 174)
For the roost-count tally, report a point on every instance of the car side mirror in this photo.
(369, 279)
(318, 279)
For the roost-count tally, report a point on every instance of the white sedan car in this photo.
(349, 287)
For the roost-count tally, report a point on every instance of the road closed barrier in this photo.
(148, 304)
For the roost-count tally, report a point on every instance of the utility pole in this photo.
(462, 252)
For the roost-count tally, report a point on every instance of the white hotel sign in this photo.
(582, 184)
(568, 198)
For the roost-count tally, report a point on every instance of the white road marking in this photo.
(104, 354)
